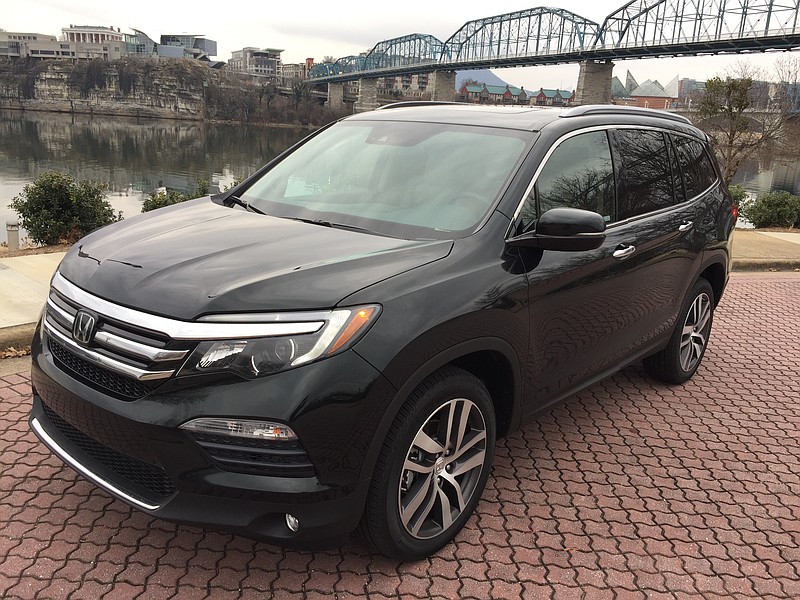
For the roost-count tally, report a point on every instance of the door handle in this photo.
(685, 226)
(624, 251)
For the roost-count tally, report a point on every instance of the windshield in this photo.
(408, 180)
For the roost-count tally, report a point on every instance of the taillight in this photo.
(735, 211)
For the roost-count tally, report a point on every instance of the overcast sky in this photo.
(315, 28)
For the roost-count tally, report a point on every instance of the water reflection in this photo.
(132, 156)
(766, 172)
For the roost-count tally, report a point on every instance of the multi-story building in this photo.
(139, 45)
(257, 62)
(37, 45)
(493, 94)
(89, 42)
(549, 97)
(192, 46)
(291, 71)
(14, 44)
(91, 34)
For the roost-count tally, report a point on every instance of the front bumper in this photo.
(135, 451)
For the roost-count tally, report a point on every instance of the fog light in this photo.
(259, 430)
(292, 523)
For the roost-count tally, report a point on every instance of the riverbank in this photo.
(176, 89)
(52, 108)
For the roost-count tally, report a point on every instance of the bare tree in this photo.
(742, 112)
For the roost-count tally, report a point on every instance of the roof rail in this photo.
(612, 109)
(416, 103)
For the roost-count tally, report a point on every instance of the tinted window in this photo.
(695, 165)
(579, 174)
(677, 178)
(645, 171)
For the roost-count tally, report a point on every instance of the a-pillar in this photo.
(335, 95)
(594, 83)
(442, 85)
(367, 95)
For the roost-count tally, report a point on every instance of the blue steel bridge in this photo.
(541, 36)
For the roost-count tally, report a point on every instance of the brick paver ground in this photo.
(630, 489)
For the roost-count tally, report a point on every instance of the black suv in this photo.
(337, 343)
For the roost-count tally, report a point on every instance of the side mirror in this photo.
(564, 230)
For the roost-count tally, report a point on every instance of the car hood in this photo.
(199, 258)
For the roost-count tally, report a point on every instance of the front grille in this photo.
(142, 475)
(121, 359)
(273, 458)
(95, 375)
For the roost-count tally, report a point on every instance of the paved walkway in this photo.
(630, 489)
(24, 283)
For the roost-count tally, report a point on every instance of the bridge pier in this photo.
(594, 83)
(367, 95)
(442, 85)
(335, 95)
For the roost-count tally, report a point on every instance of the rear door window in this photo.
(645, 172)
(695, 165)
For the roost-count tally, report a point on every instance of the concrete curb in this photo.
(16, 336)
(765, 264)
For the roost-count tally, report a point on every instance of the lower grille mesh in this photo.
(144, 475)
(98, 376)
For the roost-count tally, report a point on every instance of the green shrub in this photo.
(162, 199)
(773, 209)
(738, 194)
(57, 209)
(170, 197)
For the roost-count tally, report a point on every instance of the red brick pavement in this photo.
(630, 489)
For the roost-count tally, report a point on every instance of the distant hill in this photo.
(482, 75)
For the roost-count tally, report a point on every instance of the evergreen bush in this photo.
(170, 197)
(57, 209)
(773, 209)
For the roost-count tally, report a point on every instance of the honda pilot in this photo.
(337, 343)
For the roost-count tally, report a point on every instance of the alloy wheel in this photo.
(695, 332)
(442, 468)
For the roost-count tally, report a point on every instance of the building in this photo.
(37, 45)
(139, 45)
(256, 62)
(493, 94)
(651, 94)
(547, 97)
(188, 46)
(14, 44)
(91, 34)
(292, 71)
(87, 42)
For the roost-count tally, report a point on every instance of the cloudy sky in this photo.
(315, 28)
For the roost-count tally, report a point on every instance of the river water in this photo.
(135, 157)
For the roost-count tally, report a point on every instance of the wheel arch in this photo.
(716, 274)
(492, 360)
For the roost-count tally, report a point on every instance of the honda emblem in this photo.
(83, 327)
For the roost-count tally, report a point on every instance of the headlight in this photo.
(256, 357)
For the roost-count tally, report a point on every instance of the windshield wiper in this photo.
(244, 204)
(324, 223)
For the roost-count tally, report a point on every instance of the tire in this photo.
(681, 358)
(413, 512)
